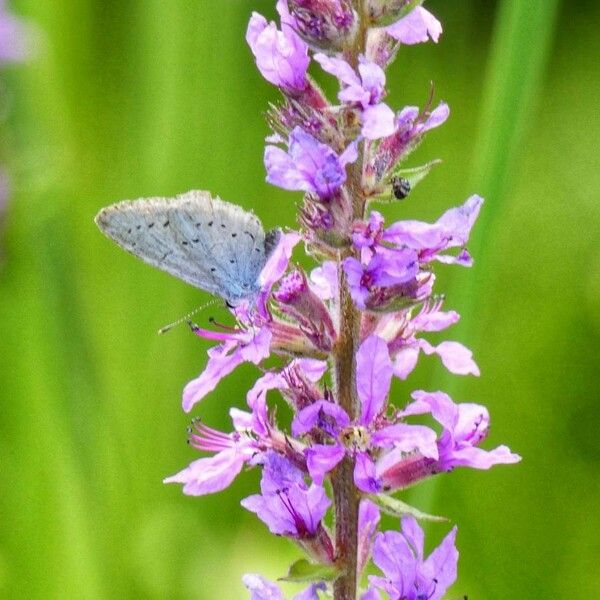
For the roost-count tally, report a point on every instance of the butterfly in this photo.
(211, 244)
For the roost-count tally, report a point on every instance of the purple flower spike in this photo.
(416, 27)
(281, 56)
(365, 92)
(308, 165)
(407, 575)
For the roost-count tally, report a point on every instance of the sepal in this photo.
(304, 571)
(396, 508)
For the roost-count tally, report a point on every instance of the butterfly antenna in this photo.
(186, 318)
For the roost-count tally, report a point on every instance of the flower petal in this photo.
(441, 566)
(210, 475)
(378, 121)
(222, 361)
(416, 27)
(261, 588)
(455, 357)
(365, 476)
(373, 377)
(321, 458)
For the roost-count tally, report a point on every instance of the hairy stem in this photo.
(345, 494)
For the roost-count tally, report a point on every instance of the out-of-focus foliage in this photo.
(153, 97)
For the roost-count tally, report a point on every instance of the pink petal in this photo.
(416, 27)
(378, 121)
(405, 361)
(457, 358)
(373, 377)
(210, 475)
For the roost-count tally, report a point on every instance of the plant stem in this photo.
(345, 494)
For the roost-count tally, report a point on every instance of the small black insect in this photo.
(400, 187)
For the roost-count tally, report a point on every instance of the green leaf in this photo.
(417, 174)
(413, 176)
(397, 508)
(303, 571)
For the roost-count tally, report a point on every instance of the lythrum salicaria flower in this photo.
(416, 27)
(289, 506)
(308, 165)
(364, 90)
(336, 333)
(464, 427)
(408, 575)
(281, 56)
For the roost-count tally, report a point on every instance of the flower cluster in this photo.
(344, 330)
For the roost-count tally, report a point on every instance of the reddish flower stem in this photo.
(346, 496)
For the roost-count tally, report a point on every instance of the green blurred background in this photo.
(153, 97)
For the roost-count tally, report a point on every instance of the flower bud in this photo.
(327, 25)
(296, 299)
(399, 472)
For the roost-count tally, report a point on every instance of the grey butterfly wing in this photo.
(211, 244)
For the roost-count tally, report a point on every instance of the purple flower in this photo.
(451, 230)
(408, 575)
(401, 331)
(252, 341)
(232, 452)
(416, 27)
(281, 56)
(308, 165)
(14, 46)
(411, 126)
(295, 382)
(286, 504)
(385, 269)
(364, 90)
(465, 426)
(263, 589)
(369, 432)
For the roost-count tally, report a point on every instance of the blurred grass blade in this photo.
(521, 46)
(520, 49)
